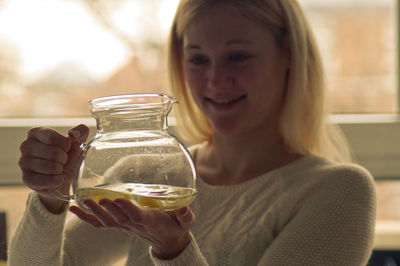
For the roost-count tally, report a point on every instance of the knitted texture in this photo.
(309, 212)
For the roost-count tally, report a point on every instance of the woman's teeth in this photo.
(227, 100)
(222, 101)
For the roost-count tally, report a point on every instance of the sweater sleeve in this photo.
(41, 239)
(332, 225)
(38, 236)
(191, 255)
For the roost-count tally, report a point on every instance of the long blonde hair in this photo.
(303, 121)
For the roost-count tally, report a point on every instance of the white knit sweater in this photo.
(309, 212)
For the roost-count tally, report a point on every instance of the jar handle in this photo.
(70, 198)
(63, 197)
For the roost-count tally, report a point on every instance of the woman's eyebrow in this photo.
(238, 41)
(192, 46)
(228, 43)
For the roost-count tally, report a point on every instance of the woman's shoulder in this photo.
(344, 171)
(324, 168)
(347, 180)
(314, 177)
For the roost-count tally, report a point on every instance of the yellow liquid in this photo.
(144, 196)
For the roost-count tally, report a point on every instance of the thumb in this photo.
(185, 218)
(77, 136)
(79, 133)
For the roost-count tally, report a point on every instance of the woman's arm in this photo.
(334, 225)
(191, 255)
(40, 239)
(38, 236)
(166, 232)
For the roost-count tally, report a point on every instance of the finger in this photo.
(100, 213)
(77, 136)
(33, 148)
(115, 211)
(39, 182)
(79, 133)
(49, 136)
(86, 217)
(74, 156)
(41, 166)
(134, 213)
(185, 217)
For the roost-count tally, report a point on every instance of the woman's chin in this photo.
(227, 128)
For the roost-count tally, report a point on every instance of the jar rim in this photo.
(135, 100)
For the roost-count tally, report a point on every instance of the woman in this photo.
(273, 186)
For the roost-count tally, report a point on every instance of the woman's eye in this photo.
(198, 60)
(239, 57)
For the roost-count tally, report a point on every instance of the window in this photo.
(57, 52)
(55, 55)
(358, 46)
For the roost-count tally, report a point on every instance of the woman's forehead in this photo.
(225, 25)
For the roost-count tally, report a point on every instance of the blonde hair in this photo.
(303, 121)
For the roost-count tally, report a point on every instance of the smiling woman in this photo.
(268, 150)
(121, 51)
(232, 71)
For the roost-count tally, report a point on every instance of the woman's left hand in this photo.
(166, 231)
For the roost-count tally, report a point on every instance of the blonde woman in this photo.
(274, 186)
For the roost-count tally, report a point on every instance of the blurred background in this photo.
(57, 52)
(56, 55)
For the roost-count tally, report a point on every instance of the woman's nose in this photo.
(220, 77)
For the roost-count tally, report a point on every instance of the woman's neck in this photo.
(232, 160)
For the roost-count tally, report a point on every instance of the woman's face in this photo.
(236, 71)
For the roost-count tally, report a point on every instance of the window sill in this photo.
(374, 140)
(387, 235)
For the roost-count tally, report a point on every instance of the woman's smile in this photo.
(225, 103)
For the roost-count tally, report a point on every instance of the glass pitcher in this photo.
(133, 156)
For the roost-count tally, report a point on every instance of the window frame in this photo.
(373, 138)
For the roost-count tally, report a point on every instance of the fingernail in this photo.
(103, 202)
(86, 202)
(74, 133)
(119, 201)
(183, 211)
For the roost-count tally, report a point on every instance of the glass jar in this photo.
(133, 156)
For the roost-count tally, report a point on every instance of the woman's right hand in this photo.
(48, 160)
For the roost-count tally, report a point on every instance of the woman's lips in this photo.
(225, 103)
